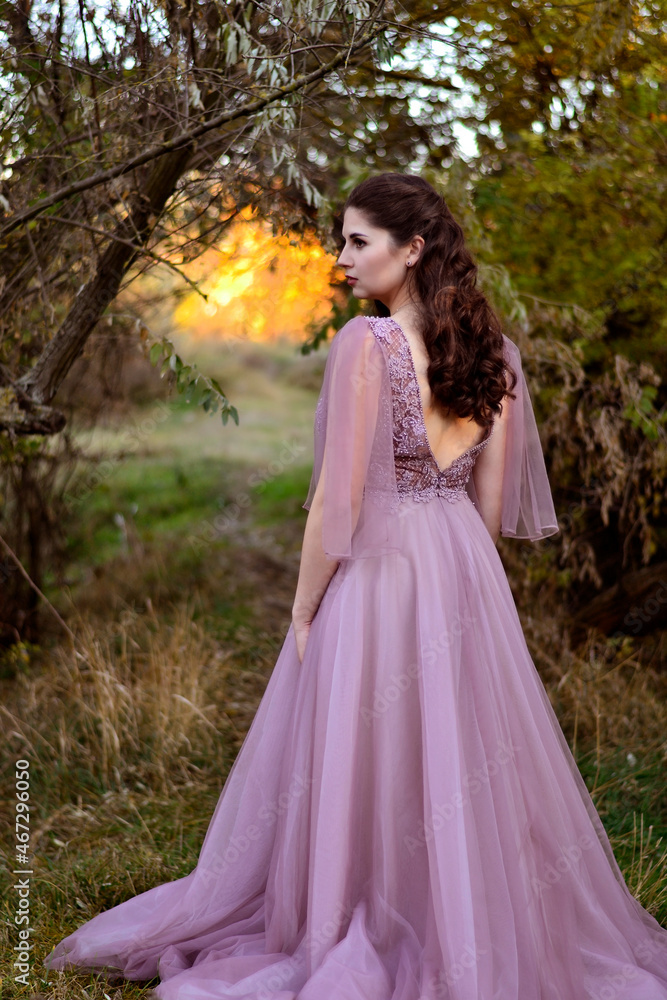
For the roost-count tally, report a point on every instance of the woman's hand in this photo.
(315, 573)
(301, 633)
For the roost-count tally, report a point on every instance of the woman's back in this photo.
(448, 435)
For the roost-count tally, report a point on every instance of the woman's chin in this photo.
(362, 293)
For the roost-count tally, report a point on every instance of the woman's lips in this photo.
(351, 281)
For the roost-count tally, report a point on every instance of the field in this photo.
(184, 545)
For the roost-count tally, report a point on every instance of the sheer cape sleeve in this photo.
(527, 504)
(353, 453)
(353, 447)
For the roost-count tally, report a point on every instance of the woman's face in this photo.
(374, 267)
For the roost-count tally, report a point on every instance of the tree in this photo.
(568, 103)
(133, 133)
(137, 133)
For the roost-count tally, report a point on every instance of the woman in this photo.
(404, 820)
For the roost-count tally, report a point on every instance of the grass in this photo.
(173, 468)
(180, 610)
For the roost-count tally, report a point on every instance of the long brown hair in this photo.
(462, 334)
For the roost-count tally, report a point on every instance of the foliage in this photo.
(195, 386)
(565, 207)
(33, 478)
(133, 134)
(602, 416)
(606, 445)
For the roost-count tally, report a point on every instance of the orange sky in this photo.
(259, 286)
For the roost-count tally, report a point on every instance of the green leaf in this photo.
(649, 393)
(184, 377)
(385, 48)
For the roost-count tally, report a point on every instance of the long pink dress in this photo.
(404, 820)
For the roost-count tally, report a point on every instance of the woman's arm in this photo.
(315, 571)
(355, 381)
(487, 475)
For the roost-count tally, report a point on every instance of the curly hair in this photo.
(462, 334)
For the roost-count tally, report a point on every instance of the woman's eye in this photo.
(359, 243)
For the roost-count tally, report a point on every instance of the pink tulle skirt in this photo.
(404, 820)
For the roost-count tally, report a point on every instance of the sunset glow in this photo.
(259, 286)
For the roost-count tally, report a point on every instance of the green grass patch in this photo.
(282, 497)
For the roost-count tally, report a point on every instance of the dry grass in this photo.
(131, 734)
(603, 691)
(132, 701)
(646, 872)
(611, 701)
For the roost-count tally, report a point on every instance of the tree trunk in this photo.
(635, 605)
(42, 381)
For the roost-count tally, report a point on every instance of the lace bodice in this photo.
(418, 475)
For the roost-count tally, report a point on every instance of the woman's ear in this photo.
(416, 248)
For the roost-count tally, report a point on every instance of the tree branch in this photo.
(19, 414)
(187, 138)
(144, 251)
(19, 565)
(44, 378)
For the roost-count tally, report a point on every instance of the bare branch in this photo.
(137, 248)
(187, 138)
